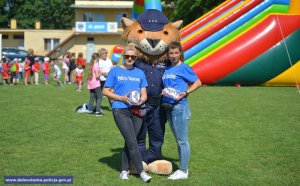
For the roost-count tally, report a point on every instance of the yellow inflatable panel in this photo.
(290, 77)
(294, 7)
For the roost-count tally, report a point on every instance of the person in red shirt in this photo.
(36, 69)
(5, 70)
(26, 72)
(80, 60)
(46, 70)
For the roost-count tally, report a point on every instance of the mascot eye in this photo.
(140, 31)
(166, 32)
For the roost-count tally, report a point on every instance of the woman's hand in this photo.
(181, 95)
(125, 99)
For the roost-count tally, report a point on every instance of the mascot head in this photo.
(151, 33)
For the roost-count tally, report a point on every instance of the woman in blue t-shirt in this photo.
(175, 80)
(126, 86)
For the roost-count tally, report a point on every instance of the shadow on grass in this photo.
(106, 108)
(114, 161)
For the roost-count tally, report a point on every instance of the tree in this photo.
(53, 14)
(188, 11)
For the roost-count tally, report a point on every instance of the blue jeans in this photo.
(178, 119)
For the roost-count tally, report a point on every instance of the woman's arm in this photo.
(197, 84)
(109, 93)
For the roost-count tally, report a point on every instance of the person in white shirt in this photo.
(105, 65)
(57, 73)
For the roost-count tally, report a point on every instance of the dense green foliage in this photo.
(57, 14)
(53, 14)
(238, 136)
(188, 11)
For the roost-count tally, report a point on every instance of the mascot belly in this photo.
(151, 33)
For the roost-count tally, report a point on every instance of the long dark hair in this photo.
(94, 58)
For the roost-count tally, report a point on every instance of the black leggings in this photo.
(129, 125)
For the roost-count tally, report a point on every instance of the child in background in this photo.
(79, 73)
(5, 71)
(21, 68)
(65, 66)
(46, 69)
(56, 74)
(93, 84)
(26, 72)
(15, 71)
(36, 69)
(80, 60)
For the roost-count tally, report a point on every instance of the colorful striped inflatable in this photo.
(250, 42)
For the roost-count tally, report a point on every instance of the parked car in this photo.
(11, 53)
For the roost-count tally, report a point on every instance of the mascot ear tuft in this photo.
(126, 22)
(178, 24)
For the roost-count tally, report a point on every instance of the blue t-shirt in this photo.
(124, 81)
(178, 77)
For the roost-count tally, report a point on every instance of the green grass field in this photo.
(238, 136)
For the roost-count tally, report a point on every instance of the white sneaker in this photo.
(178, 175)
(145, 177)
(124, 175)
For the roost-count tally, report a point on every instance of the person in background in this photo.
(93, 84)
(65, 66)
(21, 68)
(27, 71)
(105, 65)
(46, 69)
(36, 68)
(79, 73)
(80, 60)
(56, 74)
(5, 71)
(15, 72)
(30, 59)
(122, 81)
(72, 66)
(178, 76)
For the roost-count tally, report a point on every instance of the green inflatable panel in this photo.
(268, 65)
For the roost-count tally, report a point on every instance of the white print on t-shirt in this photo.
(169, 76)
(128, 78)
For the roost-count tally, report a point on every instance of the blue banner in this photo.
(96, 27)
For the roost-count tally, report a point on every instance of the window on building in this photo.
(91, 39)
(87, 17)
(4, 36)
(93, 17)
(18, 36)
(99, 17)
(50, 43)
(118, 18)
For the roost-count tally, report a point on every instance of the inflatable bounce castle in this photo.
(245, 42)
